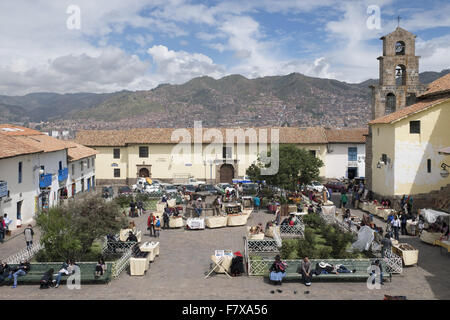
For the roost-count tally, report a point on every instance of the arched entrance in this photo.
(144, 173)
(226, 173)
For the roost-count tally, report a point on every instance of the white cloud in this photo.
(181, 66)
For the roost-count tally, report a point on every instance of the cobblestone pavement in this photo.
(179, 271)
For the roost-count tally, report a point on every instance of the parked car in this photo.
(108, 192)
(315, 186)
(250, 188)
(194, 182)
(125, 190)
(170, 189)
(336, 186)
(206, 190)
(187, 188)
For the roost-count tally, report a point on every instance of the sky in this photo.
(111, 45)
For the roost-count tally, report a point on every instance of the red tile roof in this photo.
(346, 135)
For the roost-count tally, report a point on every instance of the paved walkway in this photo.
(178, 273)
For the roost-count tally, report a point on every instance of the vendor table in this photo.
(409, 255)
(443, 244)
(383, 212)
(270, 231)
(123, 235)
(176, 222)
(237, 220)
(160, 207)
(221, 265)
(430, 237)
(195, 223)
(152, 248)
(138, 266)
(232, 208)
(216, 222)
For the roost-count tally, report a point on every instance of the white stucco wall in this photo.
(25, 191)
(336, 163)
(78, 172)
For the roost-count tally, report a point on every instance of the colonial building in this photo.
(125, 155)
(410, 147)
(34, 171)
(346, 152)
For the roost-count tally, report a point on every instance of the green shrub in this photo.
(124, 200)
(289, 249)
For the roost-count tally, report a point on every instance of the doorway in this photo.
(144, 173)
(226, 173)
(352, 173)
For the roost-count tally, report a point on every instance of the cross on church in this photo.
(398, 19)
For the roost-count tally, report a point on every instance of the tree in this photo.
(295, 166)
(68, 231)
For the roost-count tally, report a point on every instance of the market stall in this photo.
(409, 254)
(152, 247)
(237, 220)
(430, 237)
(216, 222)
(176, 222)
(329, 209)
(253, 235)
(195, 223)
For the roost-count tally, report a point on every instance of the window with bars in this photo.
(116, 153)
(116, 173)
(352, 154)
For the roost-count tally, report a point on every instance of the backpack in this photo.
(158, 223)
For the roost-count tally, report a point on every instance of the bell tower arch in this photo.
(399, 74)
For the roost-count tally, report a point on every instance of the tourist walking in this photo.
(396, 224)
(166, 218)
(305, 270)
(139, 206)
(403, 219)
(132, 208)
(157, 226)
(29, 233)
(151, 225)
(216, 205)
(256, 203)
(344, 201)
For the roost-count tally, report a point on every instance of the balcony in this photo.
(63, 174)
(45, 180)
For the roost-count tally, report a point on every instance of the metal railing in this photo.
(25, 254)
(296, 231)
(120, 264)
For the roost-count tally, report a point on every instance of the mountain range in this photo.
(293, 100)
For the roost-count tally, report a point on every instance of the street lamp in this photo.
(444, 172)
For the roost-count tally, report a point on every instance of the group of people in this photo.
(279, 267)
(136, 208)
(8, 273)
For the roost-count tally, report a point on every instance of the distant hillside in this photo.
(294, 99)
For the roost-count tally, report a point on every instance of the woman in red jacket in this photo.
(151, 224)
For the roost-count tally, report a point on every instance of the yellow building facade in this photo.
(406, 144)
(125, 155)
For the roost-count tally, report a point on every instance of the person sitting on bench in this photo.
(305, 270)
(20, 271)
(47, 279)
(277, 270)
(68, 267)
(237, 264)
(5, 271)
(132, 237)
(100, 268)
